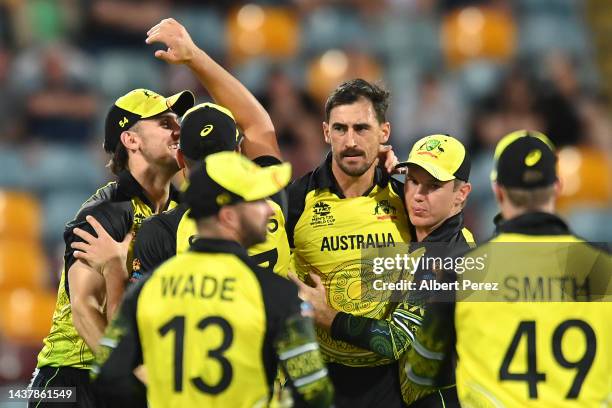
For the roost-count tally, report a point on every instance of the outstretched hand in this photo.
(180, 47)
(316, 296)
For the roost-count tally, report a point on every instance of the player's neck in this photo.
(423, 232)
(155, 184)
(353, 186)
(213, 230)
(509, 212)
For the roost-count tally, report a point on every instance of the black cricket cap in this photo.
(228, 178)
(206, 129)
(140, 104)
(525, 159)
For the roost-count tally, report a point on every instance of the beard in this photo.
(252, 231)
(354, 170)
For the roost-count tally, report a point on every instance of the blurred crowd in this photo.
(474, 69)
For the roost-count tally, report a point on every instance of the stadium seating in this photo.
(25, 315)
(585, 178)
(20, 217)
(22, 265)
(477, 32)
(255, 30)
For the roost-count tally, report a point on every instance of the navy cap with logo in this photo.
(206, 129)
(525, 159)
(140, 104)
(228, 178)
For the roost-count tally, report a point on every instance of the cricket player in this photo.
(529, 325)
(141, 134)
(211, 326)
(345, 206)
(435, 192)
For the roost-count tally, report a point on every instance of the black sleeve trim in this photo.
(297, 192)
(115, 375)
(280, 300)
(266, 161)
(156, 240)
(116, 218)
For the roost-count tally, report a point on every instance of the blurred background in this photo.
(474, 69)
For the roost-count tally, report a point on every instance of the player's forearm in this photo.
(389, 338)
(226, 90)
(89, 321)
(114, 276)
(374, 335)
(302, 362)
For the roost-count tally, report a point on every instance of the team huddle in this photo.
(245, 289)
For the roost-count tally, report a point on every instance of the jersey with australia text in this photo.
(120, 206)
(336, 238)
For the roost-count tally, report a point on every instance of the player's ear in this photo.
(129, 140)
(463, 192)
(326, 133)
(558, 188)
(228, 217)
(498, 193)
(386, 132)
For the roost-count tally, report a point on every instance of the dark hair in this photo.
(119, 161)
(350, 91)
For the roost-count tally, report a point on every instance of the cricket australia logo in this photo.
(432, 147)
(385, 211)
(321, 215)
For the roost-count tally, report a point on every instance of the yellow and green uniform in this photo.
(392, 337)
(171, 233)
(210, 327)
(120, 206)
(331, 235)
(540, 335)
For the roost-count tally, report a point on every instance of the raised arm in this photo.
(226, 90)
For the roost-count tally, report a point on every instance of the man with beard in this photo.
(435, 193)
(345, 207)
(209, 325)
(142, 136)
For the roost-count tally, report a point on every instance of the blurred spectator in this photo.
(559, 101)
(297, 121)
(43, 21)
(59, 107)
(120, 23)
(597, 122)
(436, 108)
(8, 124)
(512, 106)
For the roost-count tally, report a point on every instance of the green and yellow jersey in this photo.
(120, 206)
(538, 334)
(210, 327)
(171, 233)
(331, 235)
(393, 336)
